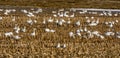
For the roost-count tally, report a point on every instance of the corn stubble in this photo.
(44, 44)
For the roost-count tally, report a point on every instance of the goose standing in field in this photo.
(109, 33)
(78, 23)
(90, 34)
(88, 20)
(92, 17)
(24, 29)
(96, 33)
(1, 9)
(50, 20)
(54, 13)
(30, 14)
(29, 21)
(78, 32)
(17, 37)
(8, 34)
(56, 21)
(71, 34)
(73, 15)
(1, 18)
(44, 21)
(17, 29)
(66, 14)
(118, 34)
(64, 45)
(61, 22)
(116, 14)
(7, 11)
(85, 29)
(81, 29)
(60, 14)
(94, 23)
(47, 30)
(87, 17)
(116, 21)
(35, 21)
(52, 31)
(38, 11)
(110, 14)
(58, 45)
(68, 22)
(102, 37)
(33, 33)
(13, 19)
(24, 11)
(110, 24)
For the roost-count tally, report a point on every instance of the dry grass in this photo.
(64, 3)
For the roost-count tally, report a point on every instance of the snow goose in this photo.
(47, 30)
(64, 45)
(102, 37)
(1, 18)
(87, 17)
(30, 21)
(94, 23)
(13, 19)
(17, 29)
(33, 33)
(92, 17)
(8, 34)
(116, 21)
(52, 31)
(109, 33)
(44, 21)
(78, 23)
(79, 34)
(58, 45)
(73, 15)
(17, 37)
(50, 20)
(68, 22)
(65, 14)
(88, 20)
(71, 34)
(24, 29)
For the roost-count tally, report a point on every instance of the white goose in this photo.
(50, 20)
(17, 29)
(30, 21)
(1, 18)
(58, 45)
(94, 23)
(17, 37)
(68, 22)
(24, 29)
(8, 34)
(47, 30)
(71, 34)
(44, 21)
(64, 45)
(33, 33)
(52, 31)
(78, 23)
